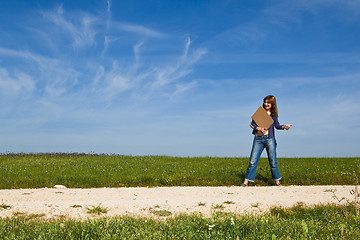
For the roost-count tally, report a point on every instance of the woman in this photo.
(265, 138)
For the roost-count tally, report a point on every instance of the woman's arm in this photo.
(281, 127)
(276, 123)
(287, 126)
(253, 125)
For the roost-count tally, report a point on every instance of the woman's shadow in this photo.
(263, 176)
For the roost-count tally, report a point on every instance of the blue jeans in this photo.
(258, 146)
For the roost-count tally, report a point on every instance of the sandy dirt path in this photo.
(62, 202)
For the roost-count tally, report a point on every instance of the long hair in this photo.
(273, 109)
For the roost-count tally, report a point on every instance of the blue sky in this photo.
(179, 78)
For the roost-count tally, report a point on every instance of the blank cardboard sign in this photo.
(262, 119)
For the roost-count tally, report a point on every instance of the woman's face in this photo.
(267, 105)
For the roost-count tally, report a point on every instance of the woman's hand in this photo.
(287, 127)
(262, 130)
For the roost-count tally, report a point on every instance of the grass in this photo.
(218, 206)
(5, 206)
(17, 213)
(298, 222)
(97, 210)
(77, 170)
(35, 215)
(76, 206)
(255, 205)
(162, 213)
(91, 170)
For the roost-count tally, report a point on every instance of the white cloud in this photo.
(38, 59)
(108, 41)
(182, 68)
(107, 38)
(139, 29)
(183, 87)
(82, 34)
(315, 6)
(63, 76)
(109, 6)
(283, 15)
(57, 80)
(137, 53)
(16, 84)
(98, 76)
(289, 57)
(148, 79)
(165, 76)
(244, 34)
(117, 80)
(51, 74)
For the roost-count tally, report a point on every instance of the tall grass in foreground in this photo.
(91, 170)
(321, 222)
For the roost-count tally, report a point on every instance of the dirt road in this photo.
(74, 203)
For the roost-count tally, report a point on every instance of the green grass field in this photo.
(321, 222)
(90, 170)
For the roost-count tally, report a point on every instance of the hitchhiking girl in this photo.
(265, 138)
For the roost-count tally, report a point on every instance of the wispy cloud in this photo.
(111, 76)
(108, 7)
(56, 81)
(181, 88)
(283, 15)
(286, 57)
(10, 85)
(117, 80)
(82, 34)
(107, 38)
(138, 29)
(182, 68)
(53, 77)
(147, 78)
(316, 6)
(24, 54)
(257, 29)
(137, 53)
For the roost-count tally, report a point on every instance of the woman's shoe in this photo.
(243, 185)
(278, 184)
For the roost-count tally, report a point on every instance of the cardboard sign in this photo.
(262, 119)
